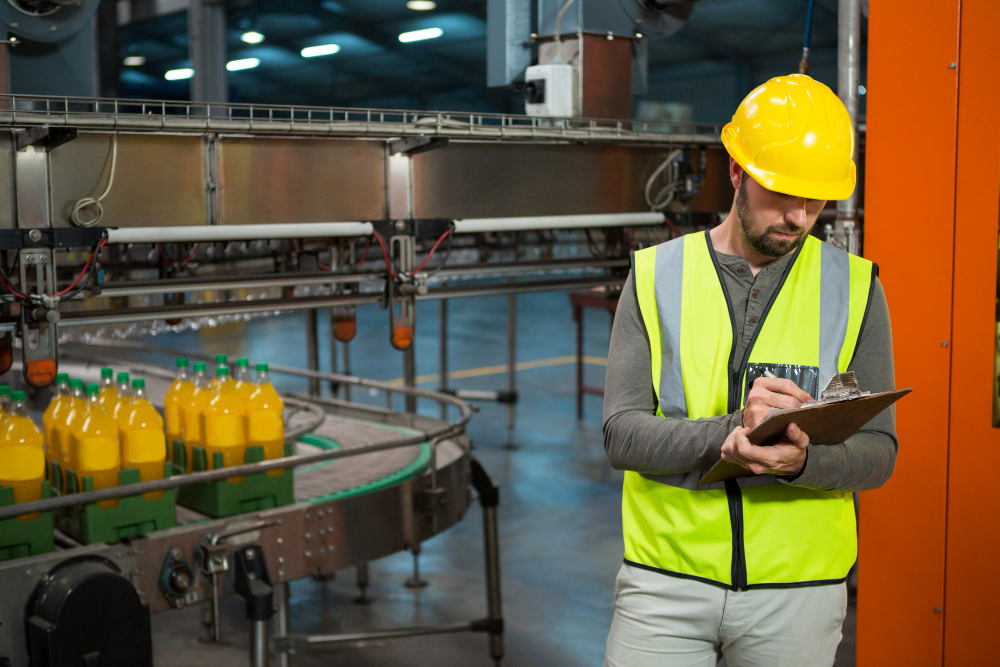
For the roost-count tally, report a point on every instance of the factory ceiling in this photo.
(371, 66)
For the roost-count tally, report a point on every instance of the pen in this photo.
(769, 374)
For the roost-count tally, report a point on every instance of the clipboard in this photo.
(828, 421)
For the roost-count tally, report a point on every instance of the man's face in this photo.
(774, 224)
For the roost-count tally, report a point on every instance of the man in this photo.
(754, 569)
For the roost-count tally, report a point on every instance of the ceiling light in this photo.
(417, 35)
(321, 50)
(243, 63)
(421, 5)
(134, 61)
(251, 37)
(178, 74)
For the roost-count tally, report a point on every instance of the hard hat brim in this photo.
(785, 184)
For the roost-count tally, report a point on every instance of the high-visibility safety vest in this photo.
(753, 532)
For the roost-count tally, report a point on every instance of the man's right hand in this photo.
(768, 393)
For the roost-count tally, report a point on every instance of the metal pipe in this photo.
(211, 233)
(259, 637)
(521, 288)
(848, 80)
(281, 600)
(314, 640)
(491, 545)
(443, 351)
(410, 376)
(540, 222)
(511, 363)
(312, 349)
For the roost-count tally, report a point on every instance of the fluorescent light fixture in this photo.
(251, 37)
(321, 50)
(862, 90)
(178, 74)
(242, 63)
(417, 35)
(421, 5)
(134, 61)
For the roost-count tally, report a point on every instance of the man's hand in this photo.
(785, 457)
(768, 393)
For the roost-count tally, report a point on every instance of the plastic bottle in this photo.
(191, 431)
(243, 381)
(108, 393)
(4, 401)
(178, 394)
(264, 424)
(120, 407)
(222, 424)
(53, 412)
(22, 454)
(63, 428)
(94, 446)
(220, 360)
(142, 439)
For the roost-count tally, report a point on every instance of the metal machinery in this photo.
(130, 217)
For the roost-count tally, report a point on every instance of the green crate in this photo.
(224, 498)
(24, 538)
(132, 516)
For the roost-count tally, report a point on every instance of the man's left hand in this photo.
(785, 457)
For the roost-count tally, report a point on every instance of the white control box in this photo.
(550, 90)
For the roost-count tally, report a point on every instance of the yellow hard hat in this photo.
(794, 136)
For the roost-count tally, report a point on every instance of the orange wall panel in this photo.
(973, 538)
(909, 227)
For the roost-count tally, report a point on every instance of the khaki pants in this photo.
(673, 622)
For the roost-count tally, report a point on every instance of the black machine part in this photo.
(86, 613)
(253, 582)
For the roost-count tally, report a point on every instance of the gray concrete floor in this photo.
(560, 521)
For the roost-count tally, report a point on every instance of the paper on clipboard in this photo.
(840, 411)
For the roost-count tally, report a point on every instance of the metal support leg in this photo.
(489, 498)
(415, 581)
(443, 353)
(259, 640)
(511, 365)
(334, 386)
(312, 349)
(410, 376)
(281, 597)
(347, 370)
(361, 573)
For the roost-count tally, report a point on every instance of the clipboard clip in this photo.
(841, 387)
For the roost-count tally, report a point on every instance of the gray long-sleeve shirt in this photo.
(636, 439)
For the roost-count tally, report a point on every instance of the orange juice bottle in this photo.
(222, 424)
(62, 430)
(191, 429)
(4, 401)
(243, 381)
(22, 455)
(220, 360)
(119, 408)
(108, 395)
(178, 394)
(53, 413)
(94, 446)
(264, 424)
(142, 440)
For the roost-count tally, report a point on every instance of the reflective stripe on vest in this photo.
(748, 532)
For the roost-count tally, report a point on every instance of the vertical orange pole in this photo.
(971, 618)
(910, 158)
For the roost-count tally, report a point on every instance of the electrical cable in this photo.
(385, 253)
(431, 252)
(90, 202)
(364, 256)
(447, 256)
(666, 194)
(86, 267)
(673, 228)
(75, 287)
(558, 38)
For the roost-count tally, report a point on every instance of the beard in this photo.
(765, 242)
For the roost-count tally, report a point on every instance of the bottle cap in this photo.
(139, 383)
(182, 362)
(199, 366)
(4, 390)
(123, 377)
(18, 396)
(243, 361)
(222, 371)
(62, 377)
(76, 383)
(262, 367)
(92, 389)
(106, 372)
(221, 359)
